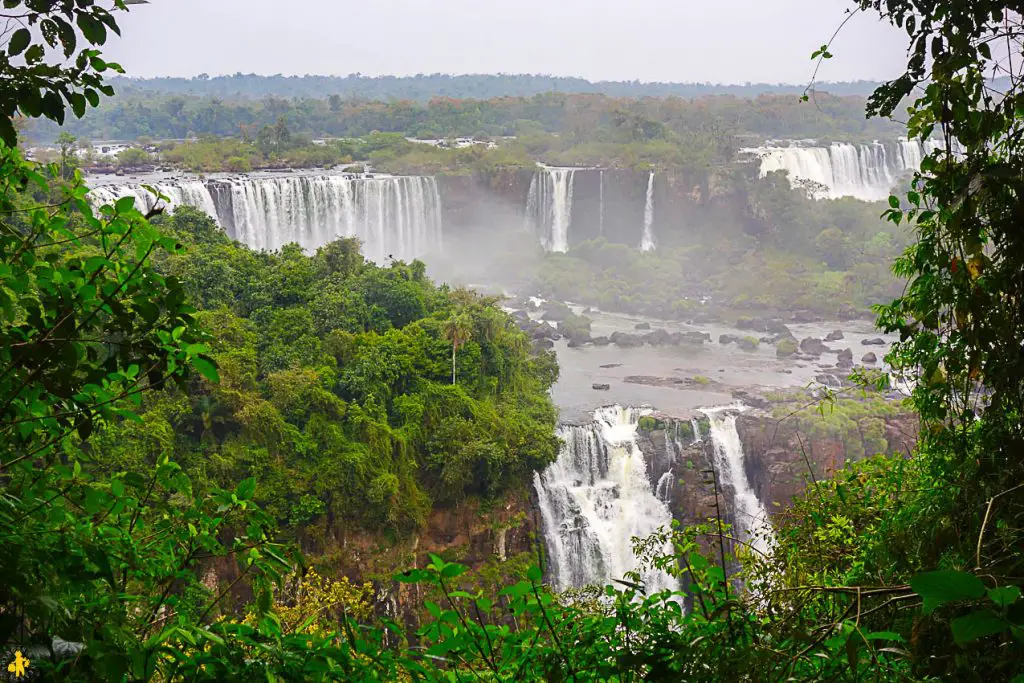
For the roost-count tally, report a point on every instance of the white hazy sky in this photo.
(723, 41)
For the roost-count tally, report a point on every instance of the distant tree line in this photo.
(133, 114)
(423, 87)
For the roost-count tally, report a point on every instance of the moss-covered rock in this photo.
(786, 347)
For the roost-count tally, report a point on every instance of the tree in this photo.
(458, 329)
(68, 160)
(29, 84)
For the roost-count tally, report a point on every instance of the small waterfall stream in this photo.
(595, 498)
(647, 242)
(751, 524)
(549, 207)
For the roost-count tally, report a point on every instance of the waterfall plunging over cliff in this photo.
(397, 217)
(549, 207)
(647, 238)
(750, 517)
(595, 498)
(393, 216)
(866, 171)
(193, 193)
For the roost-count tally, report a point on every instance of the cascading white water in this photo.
(751, 523)
(185, 193)
(595, 498)
(695, 426)
(866, 171)
(397, 217)
(549, 207)
(647, 238)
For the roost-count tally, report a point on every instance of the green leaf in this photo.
(975, 625)
(534, 574)
(19, 41)
(206, 368)
(124, 204)
(938, 588)
(894, 201)
(246, 488)
(1005, 596)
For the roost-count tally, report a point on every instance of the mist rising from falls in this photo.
(595, 498)
(750, 517)
(867, 171)
(397, 217)
(549, 207)
(647, 238)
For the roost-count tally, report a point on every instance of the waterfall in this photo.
(185, 193)
(397, 217)
(595, 498)
(663, 491)
(868, 171)
(647, 239)
(697, 438)
(549, 207)
(751, 524)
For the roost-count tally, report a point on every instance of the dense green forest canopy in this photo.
(176, 116)
(424, 87)
(904, 568)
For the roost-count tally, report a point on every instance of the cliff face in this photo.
(780, 456)
(605, 203)
(777, 458)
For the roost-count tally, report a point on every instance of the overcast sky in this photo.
(722, 41)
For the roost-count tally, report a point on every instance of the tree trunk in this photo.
(453, 363)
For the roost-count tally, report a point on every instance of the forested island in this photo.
(463, 379)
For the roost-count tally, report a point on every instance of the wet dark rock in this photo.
(813, 346)
(747, 344)
(785, 348)
(658, 338)
(869, 358)
(846, 355)
(601, 387)
(697, 338)
(877, 341)
(729, 338)
(642, 326)
(544, 343)
(804, 317)
(577, 342)
(611, 365)
(834, 335)
(601, 341)
(626, 340)
(556, 311)
(752, 400)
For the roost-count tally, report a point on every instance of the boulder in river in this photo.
(642, 326)
(625, 340)
(601, 341)
(846, 355)
(813, 346)
(729, 338)
(877, 341)
(869, 358)
(786, 347)
(834, 335)
(601, 387)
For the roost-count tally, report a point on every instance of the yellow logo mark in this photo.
(19, 665)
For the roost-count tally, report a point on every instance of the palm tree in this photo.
(458, 330)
